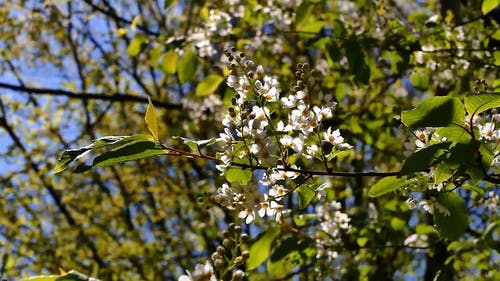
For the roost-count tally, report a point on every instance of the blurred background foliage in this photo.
(74, 71)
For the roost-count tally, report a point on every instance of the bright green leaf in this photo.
(287, 255)
(476, 104)
(454, 134)
(435, 112)
(425, 229)
(127, 152)
(425, 158)
(137, 44)
(261, 249)
(151, 120)
(306, 193)
(398, 224)
(70, 276)
(169, 62)
(303, 12)
(386, 185)
(187, 66)
(489, 5)
(475, 188)
(442, 172)
(362, 241)
(208, 85)
(41, 278)
(71, 155)
(238, 175)
(451, 226)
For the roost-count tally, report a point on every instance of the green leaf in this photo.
(454, 225)
(303, 12)
(287, 255)
(187, 66)
(71, 155)
(306, 194)
(70, 276)
(127, 152)
(260, 249)
(435, 112)
(386, 185)
(442, 172)
(475, 188)
(361, 241)
(208, 85)
(42, 278)
(489, 5)
(311, 27)
(454, 134)
(68, 157)
(421, 79)
(425, 229)
(137, 44)
(238, 175)
(425, 158)
(151, 120)
(168, 3)
(475, 104)
(169, 62)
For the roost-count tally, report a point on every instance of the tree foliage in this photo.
(265, 140)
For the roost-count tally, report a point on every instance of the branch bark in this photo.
(114, 97)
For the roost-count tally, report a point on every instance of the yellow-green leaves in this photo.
(238, 175)
(489, 5)
(475, 104)
(169, 62)
(124, 149)
(70, 276)
(386, 185)
(261, 249)
(137, 44)
(187, 66)
(152, 121)
(208, 85)
(435, 112)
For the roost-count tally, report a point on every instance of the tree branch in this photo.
(115, 97)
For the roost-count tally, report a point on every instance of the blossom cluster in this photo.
(483, 128)
(251, 136)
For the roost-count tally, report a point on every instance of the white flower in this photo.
(428, 206)
(278, 191)
(488, 132)
(201, 273)
(333, 137)
(248, 215)
(265, 207)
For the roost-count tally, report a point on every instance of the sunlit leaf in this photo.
(208, 85)
(261, 249)
(129, 152)
(137, 44)
(151, 120)
(169, 62)
(187, 66)
(489, 5)
(386, 185)
(238, 175)
(306, 193)
(476, 104)
(435, 112)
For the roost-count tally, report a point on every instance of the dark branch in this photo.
(112, 14)
(115, 97)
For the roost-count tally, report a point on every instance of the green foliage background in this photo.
(72, 72)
